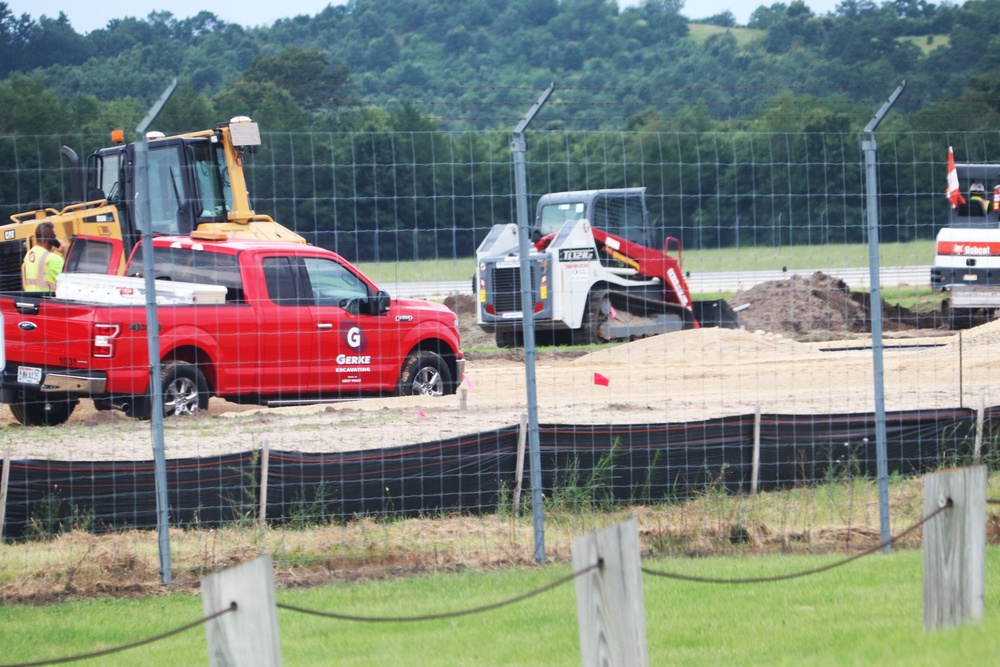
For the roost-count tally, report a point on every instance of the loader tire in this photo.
(957, 318)
(508, 339)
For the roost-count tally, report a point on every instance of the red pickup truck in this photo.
(296, 324)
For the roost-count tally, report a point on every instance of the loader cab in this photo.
(621, 212)
(971, 214)
(188, 184)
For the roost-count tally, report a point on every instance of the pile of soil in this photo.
(797, 306)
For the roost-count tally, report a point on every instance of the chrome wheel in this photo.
(425, 374)
(428, 382)
(180, 397)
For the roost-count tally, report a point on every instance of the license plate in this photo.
(29, 374)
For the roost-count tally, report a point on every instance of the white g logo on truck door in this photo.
(354, 338)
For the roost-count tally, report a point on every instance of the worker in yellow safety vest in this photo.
(43, 262)
(978, 203)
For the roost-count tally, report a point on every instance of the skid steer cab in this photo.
(596, 275)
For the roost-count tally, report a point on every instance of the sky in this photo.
(94, 14)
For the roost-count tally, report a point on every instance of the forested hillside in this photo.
(457, 64)
(742, 133)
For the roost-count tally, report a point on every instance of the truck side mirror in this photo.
(370, 305)
(382, 301)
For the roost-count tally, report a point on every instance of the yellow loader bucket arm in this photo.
(95, 218)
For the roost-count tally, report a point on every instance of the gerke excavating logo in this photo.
(354, 363)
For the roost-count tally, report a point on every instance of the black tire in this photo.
(425, 374)
(185, 392)
(36, 410)
(509, 339)
(958, 318)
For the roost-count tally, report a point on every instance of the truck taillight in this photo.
(104, 339)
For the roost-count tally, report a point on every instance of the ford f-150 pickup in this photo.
(294, 324)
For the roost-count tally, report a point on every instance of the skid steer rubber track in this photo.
(631, 317)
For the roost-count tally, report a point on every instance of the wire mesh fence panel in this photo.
(352, 403)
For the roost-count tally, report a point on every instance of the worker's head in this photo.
(977, 189)
(45, 234)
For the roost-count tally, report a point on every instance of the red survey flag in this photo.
(601, 380)
(954, 192)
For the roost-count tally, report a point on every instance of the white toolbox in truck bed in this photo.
(123, 290)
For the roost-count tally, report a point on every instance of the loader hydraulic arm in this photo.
(650, 263)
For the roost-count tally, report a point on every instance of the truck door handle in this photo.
(26, 307)
(324, 326)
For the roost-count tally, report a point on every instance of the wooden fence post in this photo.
(610, 610)
(980, 420)
(954, 547)
(4, 481)
(755, 469)
(265, 463)
(248, 636)
(522, 437)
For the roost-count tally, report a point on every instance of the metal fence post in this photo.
(871, 179)
(152, 334)
(519, 147)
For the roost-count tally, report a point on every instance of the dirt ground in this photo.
(677, 377)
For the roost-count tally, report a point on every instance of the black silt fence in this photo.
(470, 474)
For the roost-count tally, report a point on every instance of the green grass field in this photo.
(758, 258)
(868, 612)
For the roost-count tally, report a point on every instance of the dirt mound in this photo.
(461, 304)
(820, 303)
